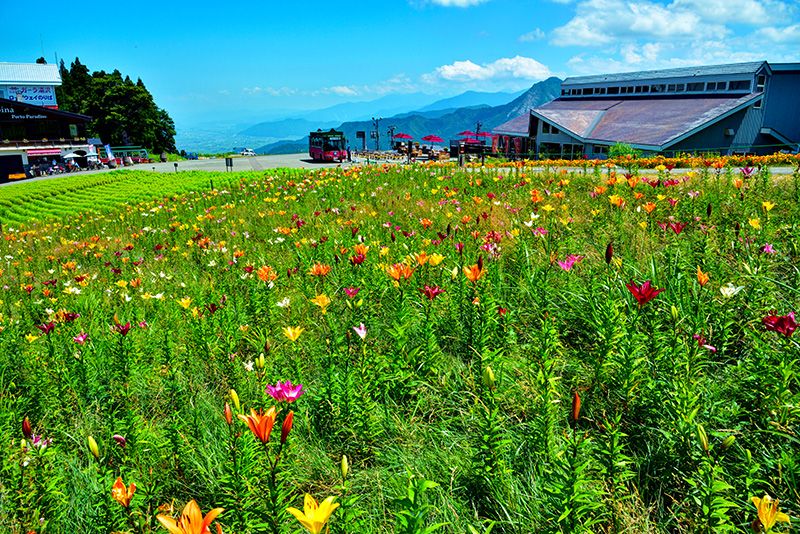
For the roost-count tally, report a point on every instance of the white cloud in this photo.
(517, 67)
(534, 35)
(341, 90)
(787, 35)
(753, 12)
(602, 22)
(270, 91)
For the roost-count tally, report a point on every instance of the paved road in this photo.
(259, 163)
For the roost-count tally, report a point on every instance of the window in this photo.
(600, 149)
(600, 91)
(613, 90)
(695, 86)
(711, 86)
(758, 103)
(588, 91)
(554, 130)
(545, 128)
(658, 88)
(671, 88)
(739, 85)
(761, 81)
(564, 92)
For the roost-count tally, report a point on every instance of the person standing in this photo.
(349, 154)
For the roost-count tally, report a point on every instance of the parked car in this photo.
(247, 152)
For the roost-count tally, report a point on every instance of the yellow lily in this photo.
(768, 513)
(191, 520)
(314, 516)
(293, 332)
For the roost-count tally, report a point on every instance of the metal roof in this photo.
(516, 126)
(683, 72)
(655, 122)
(29, 73)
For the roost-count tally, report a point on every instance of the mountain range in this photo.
(444, 118)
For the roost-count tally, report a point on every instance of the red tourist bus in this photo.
(327, 146)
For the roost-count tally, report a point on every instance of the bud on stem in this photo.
(287, 426)
(93, 448)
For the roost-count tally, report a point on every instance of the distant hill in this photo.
(286, 128)
(471, 99)
(447, 125)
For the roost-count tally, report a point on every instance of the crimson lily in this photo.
(643, 293)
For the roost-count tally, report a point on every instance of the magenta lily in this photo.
(285, 391)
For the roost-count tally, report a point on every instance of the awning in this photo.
(44, 152)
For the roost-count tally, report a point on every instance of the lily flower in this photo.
(431, 292)
(121, 494)
(399, 271)
(260, 423)
(702, 278)
(475, 272)
(768, 513)
(285, 392)
(191, 520)
(314, 516)
(783, 324)
(293, 332)
(643, 293)
(361, 330)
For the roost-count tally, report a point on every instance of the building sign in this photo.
(38, 95)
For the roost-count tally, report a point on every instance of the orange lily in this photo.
(319, 269)
(702, 278)
(474, 272)
(121, 494)
(267, 274)
(399, 271)
(260, 423)
(191, 520)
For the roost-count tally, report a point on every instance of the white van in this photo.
(247, 152)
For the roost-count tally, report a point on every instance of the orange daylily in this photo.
(702, 278)
(121, 494)
(267, 274)
(649, 207)
(399, 271)
(474, 272)
(191, 520)
(260, 423)
(319, 269)
(361, 248)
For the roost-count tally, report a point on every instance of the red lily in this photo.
(643, 293)
(783, 324)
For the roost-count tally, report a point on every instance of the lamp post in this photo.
(390, 130)
(376, 128)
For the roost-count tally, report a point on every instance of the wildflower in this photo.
(643, 293)
(435, 259)
(285, 392)
(283, 303)
(319, 269)
(351, 292)
(767, 205)
(702, 342)
(26, 428)
(361, 330)
(569, 262)
(323, 301)
(399, 271)
(314, 516)
(576, 407)
(649, 207)
(767, 249)
(431, 292)
(702, 278)
(783, 324)
(260, 423)
(768, 513)
(46, 328)
(227, 413)
(267, 274)
(121, 494)
(616, 200)
(30, 338)
(729, 290)
(293, 332)
(475, 272)
(286, 428)
(81, 338)
(122, 329)
(191, 520)
(755, 223)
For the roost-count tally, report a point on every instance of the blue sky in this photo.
(203, 59)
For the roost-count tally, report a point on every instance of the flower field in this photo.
(401, 349)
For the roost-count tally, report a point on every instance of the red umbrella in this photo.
(402, 136)
(467, 133)
(433, 139)
(483, 134)
(471, 141)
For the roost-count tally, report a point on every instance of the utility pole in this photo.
(478, 127)
(376, 128)
(390, 130)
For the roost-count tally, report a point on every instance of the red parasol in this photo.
(471, 141)
(467, 133)
(402, 136)
(433, 139)
(483, 134)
